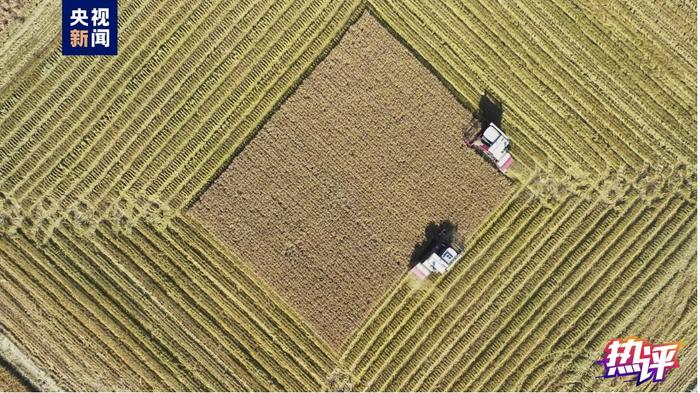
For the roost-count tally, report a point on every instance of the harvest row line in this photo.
(184, 185)
(586, 284)
(180, 108)
(186, 285)
(80, 310)
(74, 136)
(643, 49)
(472, 298)
(618, 107)
(33, 96)
(461, 74)
(489, 323)
(526, 150)
(608, 218)
(432, 298)
(456, 22)
(44, 179)
(221, 266)
(596, 87)
(634, 126)
(213, 131)
(658, 22)
(651, 102)
(634, 305)
(361, 344)
(170, 301)
(554, 310)
(680, 325)
(580, 256)
(554, 82)
(318, 47)
(19, 48)
(137, 141)
(640, 278)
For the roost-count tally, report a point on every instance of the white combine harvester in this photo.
(436, 263)
(494, 143)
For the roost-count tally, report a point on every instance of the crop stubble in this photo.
(12, 11)
(328, 200)
(547, 336)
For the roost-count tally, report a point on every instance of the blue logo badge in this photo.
(89, 28)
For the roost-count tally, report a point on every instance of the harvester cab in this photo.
(441, 259)
(494, 144)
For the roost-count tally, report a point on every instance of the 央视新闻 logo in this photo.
(639, 359)
(89, 27)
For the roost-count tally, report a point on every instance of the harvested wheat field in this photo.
(327, 201)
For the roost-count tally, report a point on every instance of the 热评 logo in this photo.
(89, 27)
(639, 359)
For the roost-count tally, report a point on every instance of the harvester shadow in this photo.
(490, 111)
(436, 236)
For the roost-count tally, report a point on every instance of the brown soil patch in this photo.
(327, 202)
(12, 11)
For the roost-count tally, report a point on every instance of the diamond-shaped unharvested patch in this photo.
(328, 200)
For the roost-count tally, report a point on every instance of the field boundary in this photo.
(355, 15)
(23, 366)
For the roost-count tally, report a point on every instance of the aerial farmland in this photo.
(325, 195)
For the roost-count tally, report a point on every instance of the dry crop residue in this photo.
(327, 202)
(11, 11)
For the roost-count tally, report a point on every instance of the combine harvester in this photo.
(493, 143)
(437, 262)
